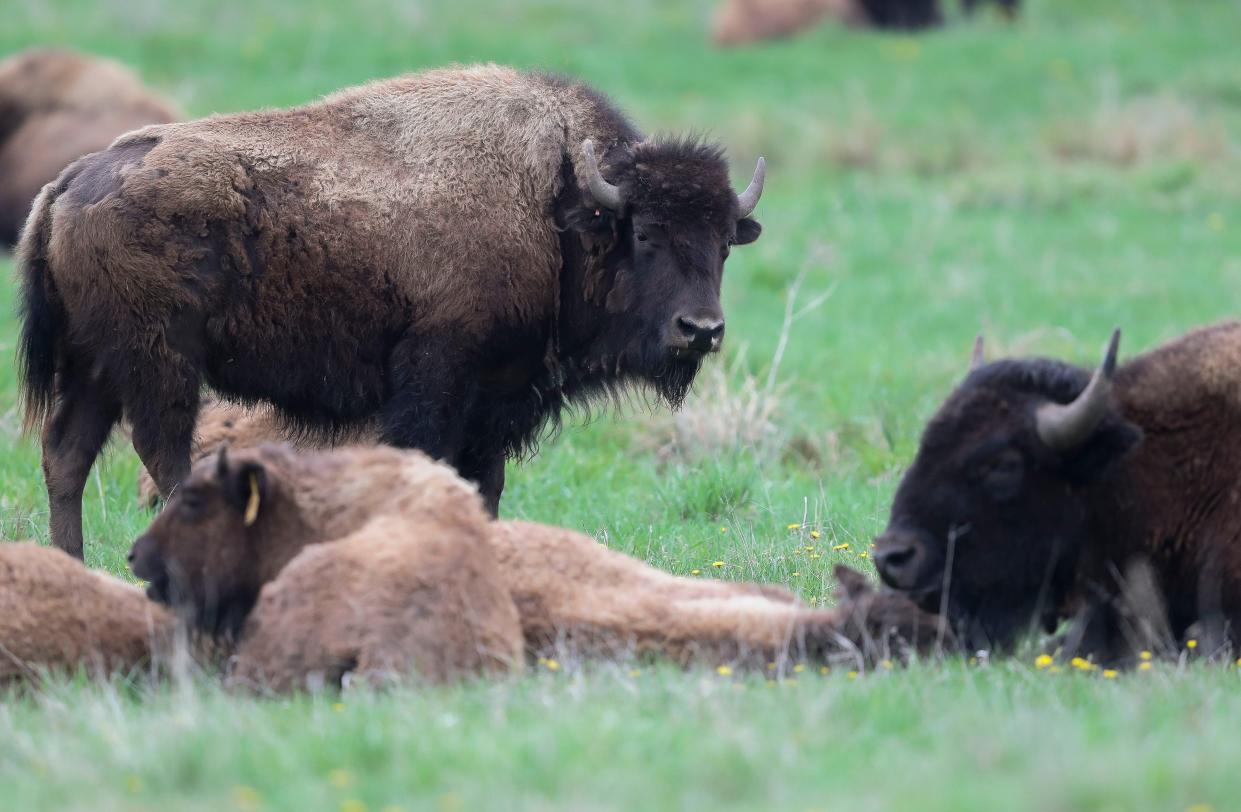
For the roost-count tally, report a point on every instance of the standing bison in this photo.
(1038, 487)
(456, 255)
(56, 106)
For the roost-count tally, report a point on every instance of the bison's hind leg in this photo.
(83, 416)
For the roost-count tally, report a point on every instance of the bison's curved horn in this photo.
(604, 193)
(748, 200)
(1064, 426)
(979, 356)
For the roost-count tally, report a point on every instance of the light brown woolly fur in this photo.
(577, 598)
(398, 597)
(738, 22)
(56, 615)
(56, 106)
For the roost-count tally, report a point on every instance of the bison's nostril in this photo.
(701, 334)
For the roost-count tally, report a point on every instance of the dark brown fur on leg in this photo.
(72, 438)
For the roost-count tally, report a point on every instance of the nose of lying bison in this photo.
(142, 559)
(698, 333)
(900, 557)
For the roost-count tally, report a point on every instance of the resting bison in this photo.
(742, 21)
(57, 615)
(439, 253)
(56, 106)
(1037, 486)
(226, 537)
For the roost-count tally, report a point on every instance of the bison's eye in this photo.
(641, 235)
(193, 502)
(1001, 475)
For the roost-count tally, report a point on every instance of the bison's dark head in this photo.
(655, 234)
(990, 518)
(210, 550)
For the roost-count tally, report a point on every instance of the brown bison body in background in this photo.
(573, 597)
(743, 21)
(438, 254)
(56, 615)
(1037, 488)
(56, 106)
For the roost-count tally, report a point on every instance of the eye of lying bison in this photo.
(193, 502)
(1001, 474)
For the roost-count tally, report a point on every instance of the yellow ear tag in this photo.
(252, 506)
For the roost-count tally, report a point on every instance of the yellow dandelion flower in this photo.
(1109, 673)
(865, 554)
(887, 664)
(1146, 666)
(809, 548)
(635, 672)
(844, 546)
(1146, 655)
(717, 564)
(246, 798)
(1239, 662)
(797, 669)
(695, 572)
(794, 526)
(1191, 644)
(552, 665)
(340, 778)
(1082, 664)
(814, 534)
(796, 574)
(1042, 661)
(723, 529)
(771, 666)
(824, 670)
(815, 555)
(973, 661)
(852, 675)
(724, 671)
(134, 784)
(339, 707)
(352, 805)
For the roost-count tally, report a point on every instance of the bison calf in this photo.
(57, 615)
(1037, 485)
(228, 534)
(56, 106)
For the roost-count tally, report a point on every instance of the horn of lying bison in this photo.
(604, 193)
(748, 200)
(1065, 426)
(979, 356)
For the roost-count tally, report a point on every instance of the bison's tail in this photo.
(42, 314)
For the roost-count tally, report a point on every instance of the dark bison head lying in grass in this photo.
(1038, 485)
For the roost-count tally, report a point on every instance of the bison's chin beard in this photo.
(674, 377)
(988, 624)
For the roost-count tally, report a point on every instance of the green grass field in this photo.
(1040, 183)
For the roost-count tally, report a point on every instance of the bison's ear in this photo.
(851, 584)
(748, 230)
(1109, 444)
(246, 489)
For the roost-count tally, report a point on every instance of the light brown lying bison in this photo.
(56, 106)
(56, 615)
(1038, 486)
(455, 256)
(226, 539)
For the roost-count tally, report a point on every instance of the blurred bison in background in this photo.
(445, 255)
(1038, 486)
(742, 21)
(56, 106)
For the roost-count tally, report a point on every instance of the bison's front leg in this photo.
(485, 469)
